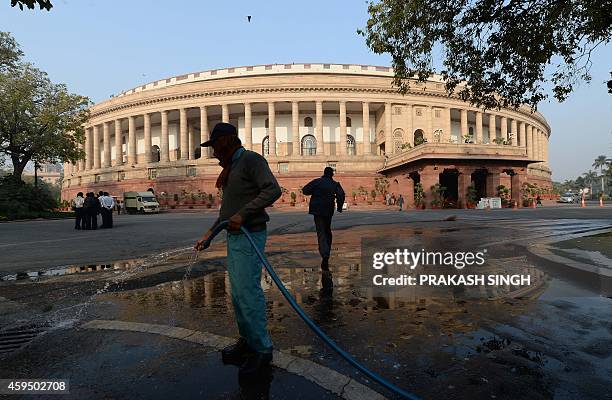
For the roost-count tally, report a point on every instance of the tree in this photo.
(601, 162)
(495, 53)
(589, 178)
(39, 120)
(10, 53)
(42, 4)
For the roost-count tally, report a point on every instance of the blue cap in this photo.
(221, 129)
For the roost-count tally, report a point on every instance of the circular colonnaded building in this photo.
(302, 118)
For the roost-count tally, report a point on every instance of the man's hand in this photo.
(235, 222)
(199, 246)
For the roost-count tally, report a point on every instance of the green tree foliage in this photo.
(22, 200)
(495, 53)
(39, 120)
(31, 4)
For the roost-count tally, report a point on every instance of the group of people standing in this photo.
(88, 207)
(391, 200)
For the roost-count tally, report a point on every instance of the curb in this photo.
(327, 378)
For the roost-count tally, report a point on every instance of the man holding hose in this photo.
(248, 187)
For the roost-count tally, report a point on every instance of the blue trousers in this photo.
(244, 269)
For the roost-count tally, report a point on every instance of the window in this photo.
(397, 110)
(152, 173)
(191, 170)
(283, 168)
(349, 123)
(308, 122)
(332, 165)
(155, 153)
(309, 145)
(120, 175)
(97, 178)
(418, 112)
(267, 123)
(350, 145)
(437, 113)
(265, 146)
(471, 131)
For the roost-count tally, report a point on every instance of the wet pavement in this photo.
(550, 340)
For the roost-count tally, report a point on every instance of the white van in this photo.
(140, 202)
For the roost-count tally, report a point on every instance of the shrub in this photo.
(21, 200)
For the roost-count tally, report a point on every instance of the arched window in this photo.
(308, 122)
(348, 122)
(419, 137)
(267, 123)
(155, 153)
(350, 145)
(265, 146)
(309, 145)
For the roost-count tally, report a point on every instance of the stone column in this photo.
(147, 137)
(319, 127)
(389, 148)
(89, 148)
(429, 120)
(546, 143)
(81, 163)
(225, 113)
(516, 182)
(248, 127)
(464, 124)
(429, 177)
(343, 150)
(96, 147)
(295, 128)
(118, 143)
(272, 129)
(191, 135)
(165, 140)
(367, 144)
(183, 138)
(464, 179)
(493, 179)
(522, 134)
(447, 127)
(204, 134)
(492, 134)
(478, 138)
(132, 140)
(107, 145)
(536, 144)
(504, 128)
(515, 134)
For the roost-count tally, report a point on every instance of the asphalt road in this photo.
(36, 245)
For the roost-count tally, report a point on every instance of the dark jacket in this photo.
(250, 188)
(91, 205)
(324, 191)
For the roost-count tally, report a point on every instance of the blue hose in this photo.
(221, 226)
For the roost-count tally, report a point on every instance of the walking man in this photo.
(77, 205)
(400, 202)
(324, 191)
(248, 188)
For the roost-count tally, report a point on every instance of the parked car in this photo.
(569, 198)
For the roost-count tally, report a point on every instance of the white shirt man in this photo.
(107, 203)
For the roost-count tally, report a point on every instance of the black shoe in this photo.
(256, 365)
(237, 353)
(325, 264)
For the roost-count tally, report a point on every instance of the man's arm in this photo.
(269, 189)
(339, 196)
(310, 187)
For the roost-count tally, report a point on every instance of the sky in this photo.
(102, 47)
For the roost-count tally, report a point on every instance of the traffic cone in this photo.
(582, 202)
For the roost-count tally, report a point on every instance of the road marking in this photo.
(327, 378)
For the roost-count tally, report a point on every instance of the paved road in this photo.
(39, 244)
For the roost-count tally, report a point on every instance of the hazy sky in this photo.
(103, 47)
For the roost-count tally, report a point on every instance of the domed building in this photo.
(302, 118)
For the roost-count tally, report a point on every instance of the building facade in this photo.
(302, 118)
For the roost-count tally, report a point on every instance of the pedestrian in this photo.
(118, 207)
(248, 187)
(388, 198)
(538, 201)
(106, 206)
(77, 206)
(392, 199)
(324, 192)
(400, 202)
(92, 208)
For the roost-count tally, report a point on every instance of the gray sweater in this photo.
(251, 187)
